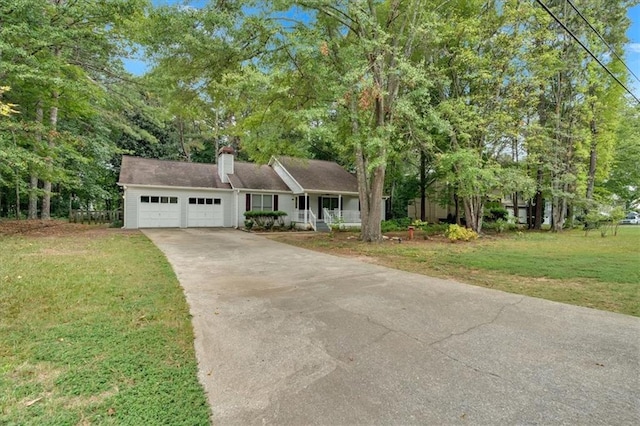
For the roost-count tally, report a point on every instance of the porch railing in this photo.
(341, 216)
(311, 219)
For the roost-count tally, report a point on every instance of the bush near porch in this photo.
(263, 219)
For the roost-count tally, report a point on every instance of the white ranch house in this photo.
(173, 194)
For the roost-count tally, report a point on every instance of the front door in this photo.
(302, 202)
(329, 203)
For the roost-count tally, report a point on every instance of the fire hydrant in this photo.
(411, 228)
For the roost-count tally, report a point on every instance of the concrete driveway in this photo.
(289, 336)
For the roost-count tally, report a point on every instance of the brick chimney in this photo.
(225, 163)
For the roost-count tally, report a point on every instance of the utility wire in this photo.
(586, 49)
(573, 6)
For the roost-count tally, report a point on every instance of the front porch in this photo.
(341, 218)
(321, 211)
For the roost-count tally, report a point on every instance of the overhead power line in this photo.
(595, 58)
(573, 6)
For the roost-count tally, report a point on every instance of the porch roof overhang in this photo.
(325, 192)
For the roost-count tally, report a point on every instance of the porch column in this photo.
(340, 206)
(306, 209)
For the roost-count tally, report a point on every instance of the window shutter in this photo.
(275, 202)
(320, 207)
(248, 202)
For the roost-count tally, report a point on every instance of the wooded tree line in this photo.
(478, 98)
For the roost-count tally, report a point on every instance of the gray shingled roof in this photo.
(317, 175)
(256, 176)
(144, 171)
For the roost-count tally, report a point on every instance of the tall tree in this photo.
(351, 60)
(62, 60)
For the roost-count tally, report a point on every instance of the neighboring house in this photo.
(172, 194)
(436, 213)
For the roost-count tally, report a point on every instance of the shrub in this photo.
(248, 223)
(500, 226)
(265, 219)
(338, 224)
(436, 229)
(494, 213)
(395, 225)
(456, 232)
(420, 224)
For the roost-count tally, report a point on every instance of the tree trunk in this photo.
(33, 181)
(593, 159)
(17, 196)
(473, 207)
(539, 211)
(33, 197)
(53, 122)
(423, 186)
(372, 232)
(456, 203)
(53, 126)
(559, 212)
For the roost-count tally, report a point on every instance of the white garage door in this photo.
(158, 212)
(205, 212)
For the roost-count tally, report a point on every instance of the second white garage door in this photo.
(205, 212)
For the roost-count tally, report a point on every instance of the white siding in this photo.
(286, 203)
(313, 204)
(350, 203)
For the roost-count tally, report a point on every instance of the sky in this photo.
(632, 51)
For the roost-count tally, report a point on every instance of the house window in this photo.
(144, 199)
(262, 202)
(265, 202)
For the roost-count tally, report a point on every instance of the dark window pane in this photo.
(144, 199)
(155, 199)
(200, 200)
(164, 200)
(209, 201)
(192, 200)
(217, 201)
(173, 200)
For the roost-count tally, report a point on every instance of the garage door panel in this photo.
(205, 212)
(159, 212)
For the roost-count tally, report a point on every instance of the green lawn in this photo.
(94, 329)
(592, 271)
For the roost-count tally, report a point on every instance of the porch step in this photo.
(322, 227)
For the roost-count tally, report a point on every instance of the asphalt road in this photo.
(288, 336)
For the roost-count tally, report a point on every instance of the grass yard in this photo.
(601, 273)
(94, 329)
